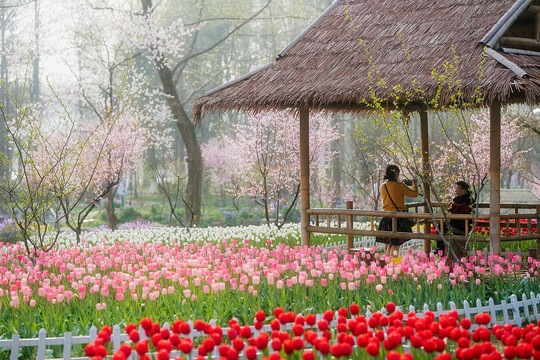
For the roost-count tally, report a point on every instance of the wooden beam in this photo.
(304, 175)
(537, 29)
(495, 177)
(518, 41)
(425, 169)
(534, 9)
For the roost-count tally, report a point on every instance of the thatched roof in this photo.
(359, 49)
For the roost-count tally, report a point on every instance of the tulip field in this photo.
(393, 336)
(164, 274)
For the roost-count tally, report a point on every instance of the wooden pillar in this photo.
(495, 177)
(537, 257)
(350, 238)
(425, 169)
(304, 175)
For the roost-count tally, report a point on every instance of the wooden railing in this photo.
(340, 221)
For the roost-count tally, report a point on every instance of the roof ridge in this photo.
(297, 39)
(491, 38)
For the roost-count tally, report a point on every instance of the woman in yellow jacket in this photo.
(393, 194)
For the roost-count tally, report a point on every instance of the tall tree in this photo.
(34, 92)
(167, 73)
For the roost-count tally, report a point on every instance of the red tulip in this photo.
(260, 316)
(238, 344)
(277, 312)
(245, 332)
(323, 325)
(163, 355)
(393, 355)
(262, 341)
(372, 348)
(142, 347)
(251, 353)
(199, 325)
(482, 319)
(276, 344)
(298, 330)
(354, 309)
(186, 346)
(308, 355)
(466, 323)
(328, 315)
(324, 347)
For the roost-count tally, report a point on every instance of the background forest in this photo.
(96, 100)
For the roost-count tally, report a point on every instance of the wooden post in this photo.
(537, 230)
(350, 238)
(425, 169)
(495, 177)
(304, 175)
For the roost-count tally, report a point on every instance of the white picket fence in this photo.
(367, 242)
(516, 312)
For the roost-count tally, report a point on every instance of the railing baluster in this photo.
(15, 346)
(68, 336)
(42, 344)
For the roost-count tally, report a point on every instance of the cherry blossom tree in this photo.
(267, 158)
(466, 157)
(26, 192)
(218, 160)
(365, 164)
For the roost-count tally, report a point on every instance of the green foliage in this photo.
(128, 214)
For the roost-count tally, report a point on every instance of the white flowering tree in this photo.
(170, 59)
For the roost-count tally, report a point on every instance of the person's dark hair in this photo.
(391, 173)
(464, 186)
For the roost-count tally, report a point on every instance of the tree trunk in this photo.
(187, 130)
(34, 94)
(456, 251)
(112, 220)
(4, 99)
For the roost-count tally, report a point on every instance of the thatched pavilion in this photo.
(494, 45)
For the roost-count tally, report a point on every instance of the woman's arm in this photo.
(407, 191)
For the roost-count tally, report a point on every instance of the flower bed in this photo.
(393, 336)
(73, 288)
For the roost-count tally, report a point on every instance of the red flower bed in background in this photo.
(484, 230)
(354, 337)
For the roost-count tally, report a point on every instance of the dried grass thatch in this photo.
(361, 49)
